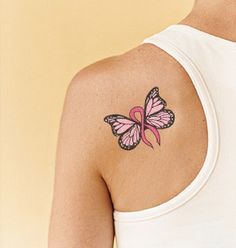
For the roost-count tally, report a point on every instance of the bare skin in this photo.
(217, 17)
(94, 175)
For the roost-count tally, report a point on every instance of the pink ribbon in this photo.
(143, 125)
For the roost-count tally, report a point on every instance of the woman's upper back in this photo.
(144, 177)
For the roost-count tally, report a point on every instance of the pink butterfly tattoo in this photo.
(154, 116)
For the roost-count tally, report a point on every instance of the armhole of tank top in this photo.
(213, 138)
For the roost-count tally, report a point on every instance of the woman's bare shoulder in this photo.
(115, 84)
(135, 70)
(108, 90)
(125, 82)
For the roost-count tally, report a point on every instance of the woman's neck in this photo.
(217, 17)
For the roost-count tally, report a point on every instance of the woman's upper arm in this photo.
(82, 209)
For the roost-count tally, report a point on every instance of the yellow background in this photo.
(43, 44)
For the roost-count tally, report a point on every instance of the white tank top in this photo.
(203, 215)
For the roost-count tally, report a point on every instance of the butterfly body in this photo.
(153, 116)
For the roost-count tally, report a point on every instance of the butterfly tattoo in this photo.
(154, 116)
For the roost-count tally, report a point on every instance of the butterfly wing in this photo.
(153, 102)
(130, 139)
(155, 112)
(163, 119)
(119, 123)
(128, 130)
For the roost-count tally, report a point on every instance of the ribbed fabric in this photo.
(203, 215)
